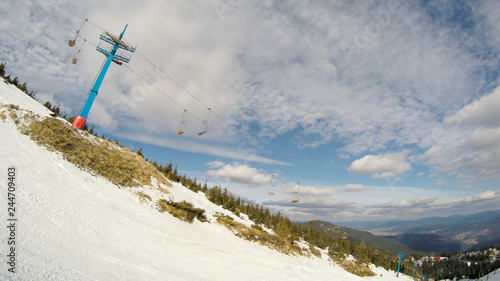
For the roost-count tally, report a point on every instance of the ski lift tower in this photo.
(116, 50)
(400, 255)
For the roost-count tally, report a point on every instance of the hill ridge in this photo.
(458, 232)
(80, 226)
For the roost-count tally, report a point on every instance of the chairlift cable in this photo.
(224, 138)
(74, 14)
(184, 89)
(178, 84)
(163, 93)
(45, 15)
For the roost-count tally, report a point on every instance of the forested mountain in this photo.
(470, 264)
(357, 236)
(454, 233)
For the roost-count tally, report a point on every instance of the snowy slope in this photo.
(493, 276)
(75, 226)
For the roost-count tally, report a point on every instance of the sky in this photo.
(363, 110)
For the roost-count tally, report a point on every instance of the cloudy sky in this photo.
(369, 110)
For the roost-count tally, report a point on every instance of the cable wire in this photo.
(248, 156)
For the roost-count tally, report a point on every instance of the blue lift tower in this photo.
(117, 51)
(400, 255)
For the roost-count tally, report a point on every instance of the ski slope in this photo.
(72, 225)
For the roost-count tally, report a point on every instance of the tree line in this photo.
(284, 227)
(472, 265)
(15, 81)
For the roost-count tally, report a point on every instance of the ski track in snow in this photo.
(76, 226)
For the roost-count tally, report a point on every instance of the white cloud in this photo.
(420, 202)
(215, 164)
(358, 79)
(482, 112)
(440, 182)
(480, 197)
(475, 156)
(385, 166)
(354, 188)
(239, 173)
(419, 207)
(426, 206)
(188, 144)
(316, 206)
(287, 67)
(308, 190)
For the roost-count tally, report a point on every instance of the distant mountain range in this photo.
(438, 234)
(357, 236)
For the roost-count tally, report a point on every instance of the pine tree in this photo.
(2, 69)
(15, 81)
(48, 105)
(23, 88)
(56, 110)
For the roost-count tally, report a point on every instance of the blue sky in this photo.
(380, 109)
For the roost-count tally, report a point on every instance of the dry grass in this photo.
(143, 195)
(118, 165)
(13, 107)
(282, 245)
(356, 268)
(163, 190)
(13, 116)
(182, 210)
(315, 252)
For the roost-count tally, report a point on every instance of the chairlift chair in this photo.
(295, 198)
(272, 188)
(344, 233)
(204, 125)
(77, 53)
(180, 132)
(336, 227)
(202, 132)
(72, 42)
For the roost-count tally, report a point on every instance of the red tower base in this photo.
(78, 122)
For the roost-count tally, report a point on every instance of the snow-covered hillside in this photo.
(75, 226)
(493, 276)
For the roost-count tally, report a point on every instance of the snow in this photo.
(493, 276)
(10, 94)
(72, 225)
